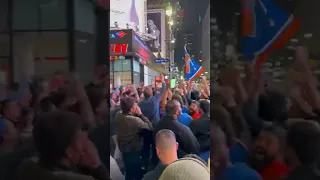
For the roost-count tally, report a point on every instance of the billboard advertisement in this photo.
(156, 27)
(123, 12)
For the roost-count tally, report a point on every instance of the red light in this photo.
(119, 48)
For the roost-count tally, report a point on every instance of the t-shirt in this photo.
(185, 119)
(238, 153)
(239, 171)
(276, 170)
(195, 115)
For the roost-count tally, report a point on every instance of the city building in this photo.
(205, 43)
(135, 43)
(131, 61)
(41, 37)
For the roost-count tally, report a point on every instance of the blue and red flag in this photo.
(192, 69)
(265, 28)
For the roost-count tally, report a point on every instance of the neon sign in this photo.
(119, 48)
(141, 44)
(119, 34)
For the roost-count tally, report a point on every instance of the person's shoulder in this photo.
(185, 115)
(69, 175)
(247, 171)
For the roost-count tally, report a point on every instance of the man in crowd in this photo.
(150, 104)
(166, 147)
(201, 127)
(188, 144)
(131, 125)
(65, 151)
(267, 155)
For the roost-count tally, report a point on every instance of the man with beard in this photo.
(194, 110)
(221, 167)
(267, 154)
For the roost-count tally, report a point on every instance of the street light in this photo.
(170, 22)
(173, 41)
(169, 10)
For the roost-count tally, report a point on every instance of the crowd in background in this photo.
(250, 129)
(63, 130)
(263, 131)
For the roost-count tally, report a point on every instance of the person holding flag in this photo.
(265, 28)
(192, 69)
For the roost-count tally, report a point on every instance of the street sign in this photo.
(161, 60)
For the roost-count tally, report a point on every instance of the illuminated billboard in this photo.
(123, 12)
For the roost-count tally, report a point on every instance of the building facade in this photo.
(131, 60)
(41, 37)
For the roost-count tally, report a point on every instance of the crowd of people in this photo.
(67, 130)
(261, 131)
(155, 130)
(252, 130)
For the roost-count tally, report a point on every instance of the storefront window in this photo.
(85, 55)
(136, 66)
(4, 15)
(39, 14)
(111, 66)
(122, 78)
(121, 72)
(122, 65)
(40, 54)
(136, 78)
(84, 16)
(4, 45)
(4, 71)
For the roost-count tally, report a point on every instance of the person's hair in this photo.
(273, 107)
(172, 107)
(205, 106)
(139, 91)
(177, 98)
(165, 139)
(279, 132)
(303, 138)
(46, 105)
(195, 95)
(126, 104)
(4, 106)
(96, 97)
(195, 102)
(222, 117)
(148, 92)
(57, 98)
(53, 133)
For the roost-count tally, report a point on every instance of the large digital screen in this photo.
(123, 12)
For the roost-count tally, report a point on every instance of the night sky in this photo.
(192, 10)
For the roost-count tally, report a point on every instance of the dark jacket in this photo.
(31, 170)
(156, 173)
(188, 144)
(128, 130)
(201, 130)
(304, 172)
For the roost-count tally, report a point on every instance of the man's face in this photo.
(179, 110)
(76, 150)
(193, 108)
(13, 109)
(265, 150)
(113, 96)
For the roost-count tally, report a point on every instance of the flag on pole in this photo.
(192, 69)
(265, 28)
